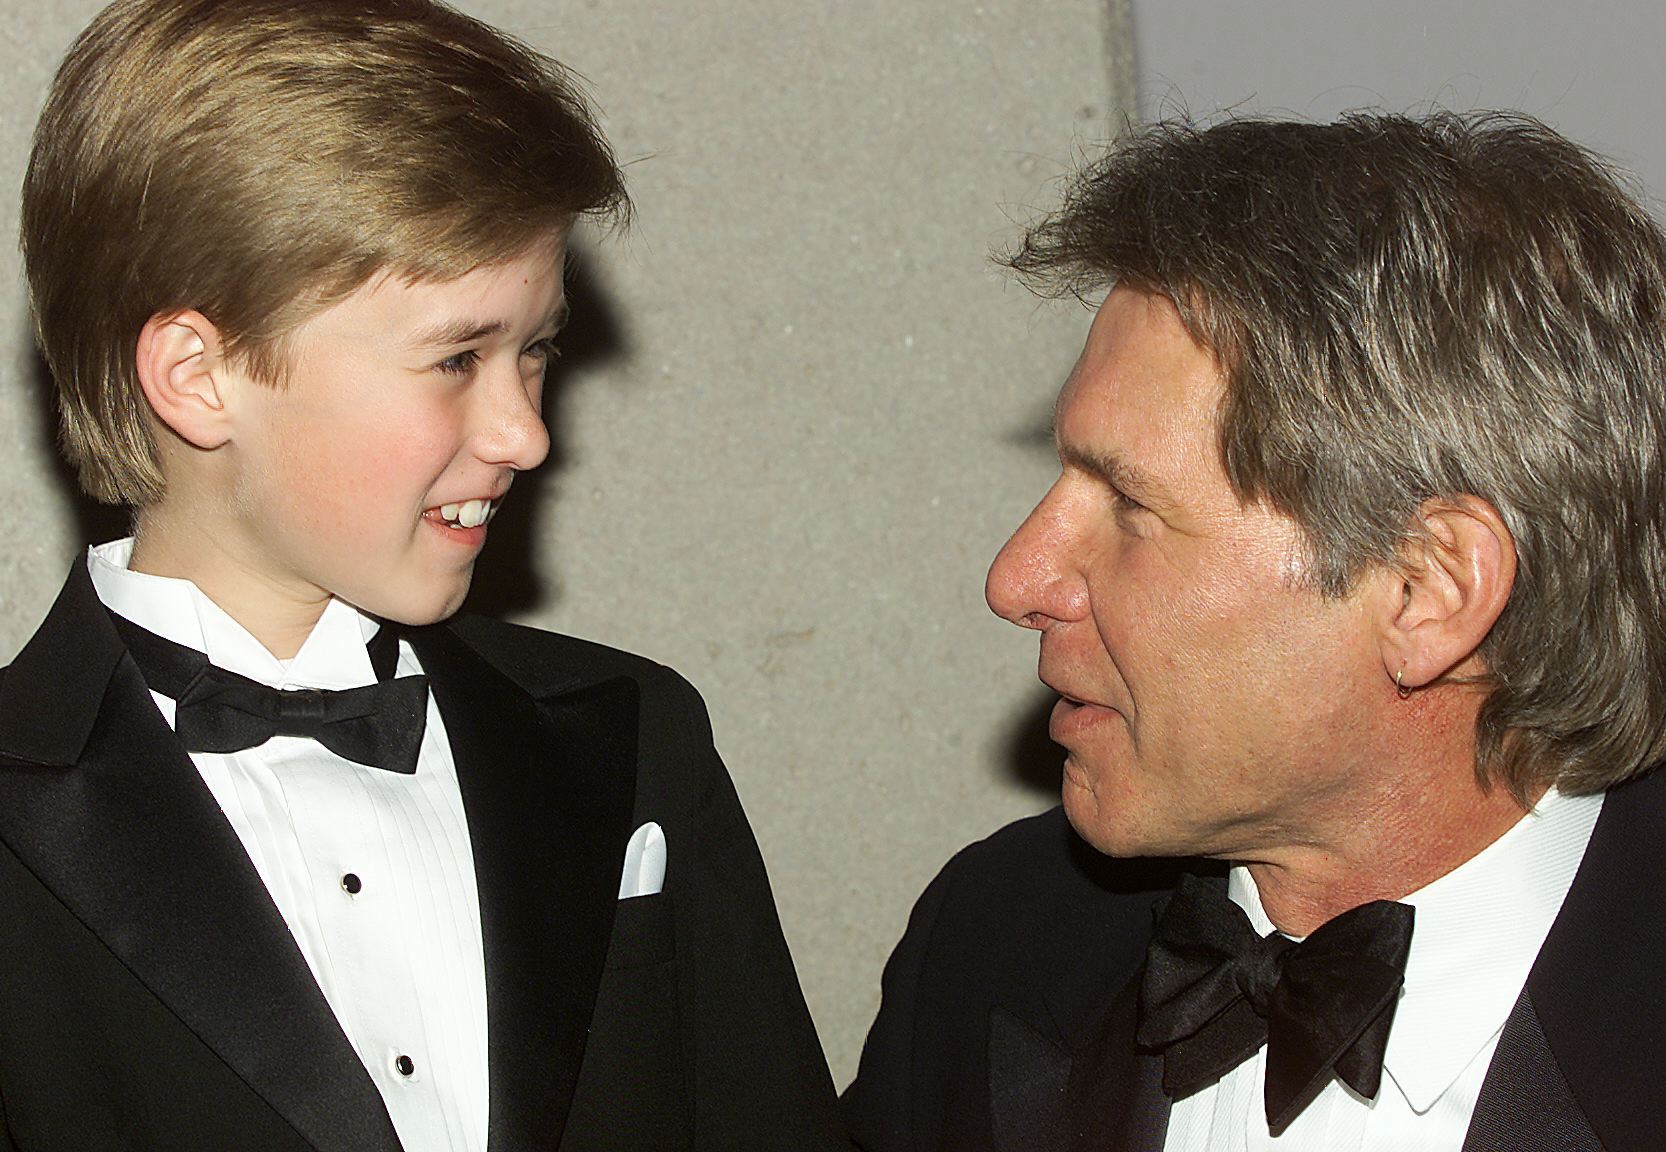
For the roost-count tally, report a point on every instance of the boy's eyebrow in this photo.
(447, 333)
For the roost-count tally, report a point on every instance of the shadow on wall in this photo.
(508, 582)
(1032, 759)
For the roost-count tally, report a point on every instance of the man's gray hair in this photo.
(1407, 310)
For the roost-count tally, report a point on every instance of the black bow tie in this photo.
(218, 711)
(1214, 992)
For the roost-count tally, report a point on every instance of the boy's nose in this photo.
(515, 435)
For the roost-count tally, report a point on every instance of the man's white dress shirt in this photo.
(370, 869)
(1476, 934)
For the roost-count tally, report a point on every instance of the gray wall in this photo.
(796, 416)
(1591, 70)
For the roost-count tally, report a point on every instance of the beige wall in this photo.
(799, 413)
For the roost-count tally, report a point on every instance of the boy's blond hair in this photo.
(259, 160)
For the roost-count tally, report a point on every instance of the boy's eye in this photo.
(463, 363)
(460, 364)
(544, 349)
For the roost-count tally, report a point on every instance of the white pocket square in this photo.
(644, 872)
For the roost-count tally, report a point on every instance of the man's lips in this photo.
(1072, 718)
(1074, 712)
(1067, 690)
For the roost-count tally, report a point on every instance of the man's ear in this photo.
(1449, 590)
(182, 370)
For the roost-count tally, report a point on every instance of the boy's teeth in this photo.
(472, 513)
(468, 513)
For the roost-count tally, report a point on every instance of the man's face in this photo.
(1209, 696)
(408, 409)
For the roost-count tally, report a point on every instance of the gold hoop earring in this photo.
(1400, 689)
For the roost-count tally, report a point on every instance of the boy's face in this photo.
(407, 411)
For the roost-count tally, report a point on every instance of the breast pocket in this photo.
(644, 932)
(632, 1092)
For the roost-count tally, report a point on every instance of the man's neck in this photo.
(1398, 846)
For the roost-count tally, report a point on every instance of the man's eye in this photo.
(459, 365)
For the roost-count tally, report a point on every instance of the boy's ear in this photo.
(1448, 592)
(182, 370)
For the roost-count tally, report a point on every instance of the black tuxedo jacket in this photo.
(1009, 1006)
(152, 998)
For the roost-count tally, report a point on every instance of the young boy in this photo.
(290, 858)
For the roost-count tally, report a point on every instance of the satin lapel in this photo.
(548, 787)
(131, 841)
(1596, 987)
(1116, 1091)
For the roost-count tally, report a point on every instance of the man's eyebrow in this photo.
(448, 333)
(1113, 469)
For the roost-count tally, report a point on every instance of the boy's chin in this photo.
(415, 609)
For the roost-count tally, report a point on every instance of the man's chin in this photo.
(1118, 828)
(1088, 815)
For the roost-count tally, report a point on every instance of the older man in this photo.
(1351, 587)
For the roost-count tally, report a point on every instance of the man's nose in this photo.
(1031, 582)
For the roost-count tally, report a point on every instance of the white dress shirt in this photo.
(1476, 934)
(370, 869)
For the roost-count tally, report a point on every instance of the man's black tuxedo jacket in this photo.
(152, 998)
(1009, 1006)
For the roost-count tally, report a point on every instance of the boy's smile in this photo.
(370, 473)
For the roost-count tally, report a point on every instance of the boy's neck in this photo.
(274, 615)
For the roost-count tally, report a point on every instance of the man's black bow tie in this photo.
(1214, 992)
(218, 711)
